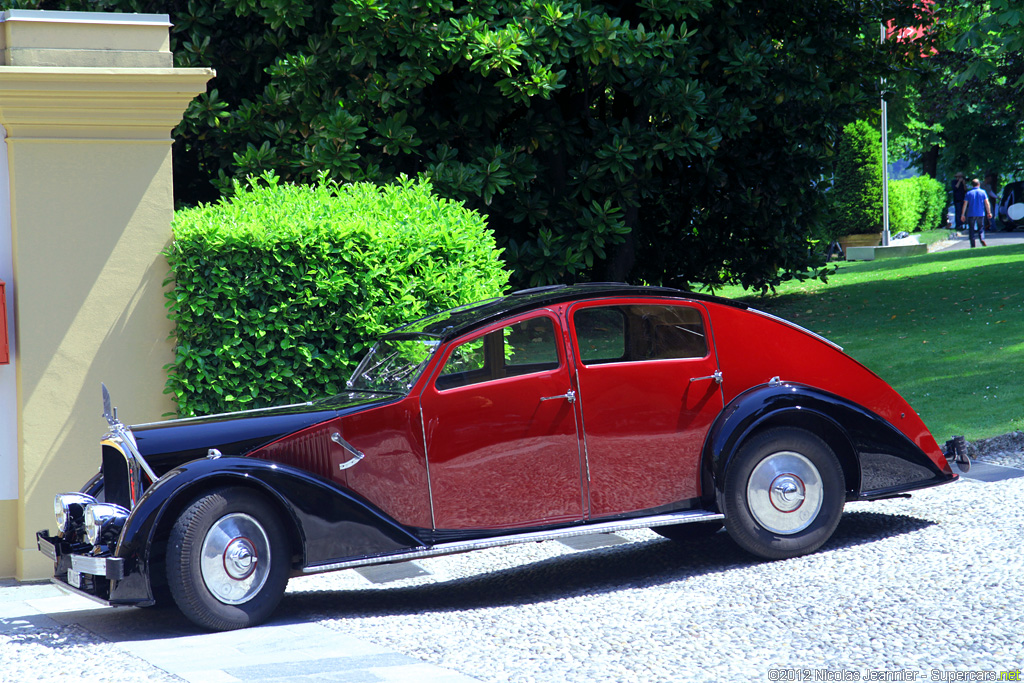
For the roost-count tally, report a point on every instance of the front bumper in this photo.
(75, 566)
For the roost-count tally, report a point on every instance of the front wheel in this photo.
(227, 560)
(784, 494)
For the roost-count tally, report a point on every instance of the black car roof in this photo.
(456, 321)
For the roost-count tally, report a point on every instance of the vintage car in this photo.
(548, 413)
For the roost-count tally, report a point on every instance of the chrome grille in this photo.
(116, 478)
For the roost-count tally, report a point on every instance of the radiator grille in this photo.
(116, 487)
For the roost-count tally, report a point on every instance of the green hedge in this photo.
(278, 291)
(916, 204)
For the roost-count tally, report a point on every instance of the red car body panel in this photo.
(393, 475)
(500, 456)
(645, 425)
(754, 347)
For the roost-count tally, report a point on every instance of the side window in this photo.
(522, 348)
(601, 333)
(610, 334)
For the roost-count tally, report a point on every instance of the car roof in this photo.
(457, 321)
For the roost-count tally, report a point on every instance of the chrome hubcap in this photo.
(240, 558)
(785, 492)
(235, 558)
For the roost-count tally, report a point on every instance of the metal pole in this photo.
(885, 163)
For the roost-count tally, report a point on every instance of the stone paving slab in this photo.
(277, 652)
(983, 471)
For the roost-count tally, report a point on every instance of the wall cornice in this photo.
(96, 103)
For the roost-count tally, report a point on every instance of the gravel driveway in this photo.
(909, 589)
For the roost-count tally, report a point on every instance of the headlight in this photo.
(103, 522)
(69, 510)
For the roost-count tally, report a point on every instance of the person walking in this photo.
(974, 212)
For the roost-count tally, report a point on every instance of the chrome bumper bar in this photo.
(66, 559)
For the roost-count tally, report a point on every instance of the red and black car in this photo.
(547, 413)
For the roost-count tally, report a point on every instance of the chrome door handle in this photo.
(569, 396)
(356, 454)
(717, 377)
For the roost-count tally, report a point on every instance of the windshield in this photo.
(393, 365)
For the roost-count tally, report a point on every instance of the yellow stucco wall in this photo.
(89, 163)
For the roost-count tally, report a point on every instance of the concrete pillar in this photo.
(87, 105)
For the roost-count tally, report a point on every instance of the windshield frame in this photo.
(384, 370)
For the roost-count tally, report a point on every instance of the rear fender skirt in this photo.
(878, 460)
(327, 523)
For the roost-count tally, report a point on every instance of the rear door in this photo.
(649, 389)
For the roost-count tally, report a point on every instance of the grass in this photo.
(946, 330)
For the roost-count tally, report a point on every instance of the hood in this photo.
(166, 445)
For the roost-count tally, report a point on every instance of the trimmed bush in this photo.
(933, 198)
(916, 204)
(279, 290)
(856, 201)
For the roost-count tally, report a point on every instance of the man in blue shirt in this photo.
(974, 212)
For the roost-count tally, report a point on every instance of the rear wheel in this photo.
(784, 494)
(227, 560)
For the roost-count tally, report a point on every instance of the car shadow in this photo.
(633, 565)
(591, 572)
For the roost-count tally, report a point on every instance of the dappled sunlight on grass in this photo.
(944, 329)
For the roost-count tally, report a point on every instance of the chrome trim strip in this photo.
(183, 420)
(109, 567)
(498, 541)
(426, 462)
(795, 326)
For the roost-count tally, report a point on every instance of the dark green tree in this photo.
(670, 141)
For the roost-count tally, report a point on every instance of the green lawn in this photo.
(946, 330)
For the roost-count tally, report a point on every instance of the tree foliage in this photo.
(959, 110)
(670, 141)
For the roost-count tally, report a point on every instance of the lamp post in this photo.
(885, 164)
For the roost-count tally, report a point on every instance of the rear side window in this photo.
(615, 334)
(519, 349)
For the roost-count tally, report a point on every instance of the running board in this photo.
(512, 539)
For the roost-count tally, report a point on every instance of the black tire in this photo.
(784, 494)
(692, 531)
(229, 590)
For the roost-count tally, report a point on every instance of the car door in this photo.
(500, 429)
(649, 389)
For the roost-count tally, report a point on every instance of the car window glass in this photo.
(601, 334)
(608, 334)
(522, 348)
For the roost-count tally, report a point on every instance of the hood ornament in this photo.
(108, 413)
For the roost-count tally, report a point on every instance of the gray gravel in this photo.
(933, 583)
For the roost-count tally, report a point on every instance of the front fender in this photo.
(878, 459)
(329, 523)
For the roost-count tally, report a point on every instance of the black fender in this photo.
(327, 523)
(878, 459)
